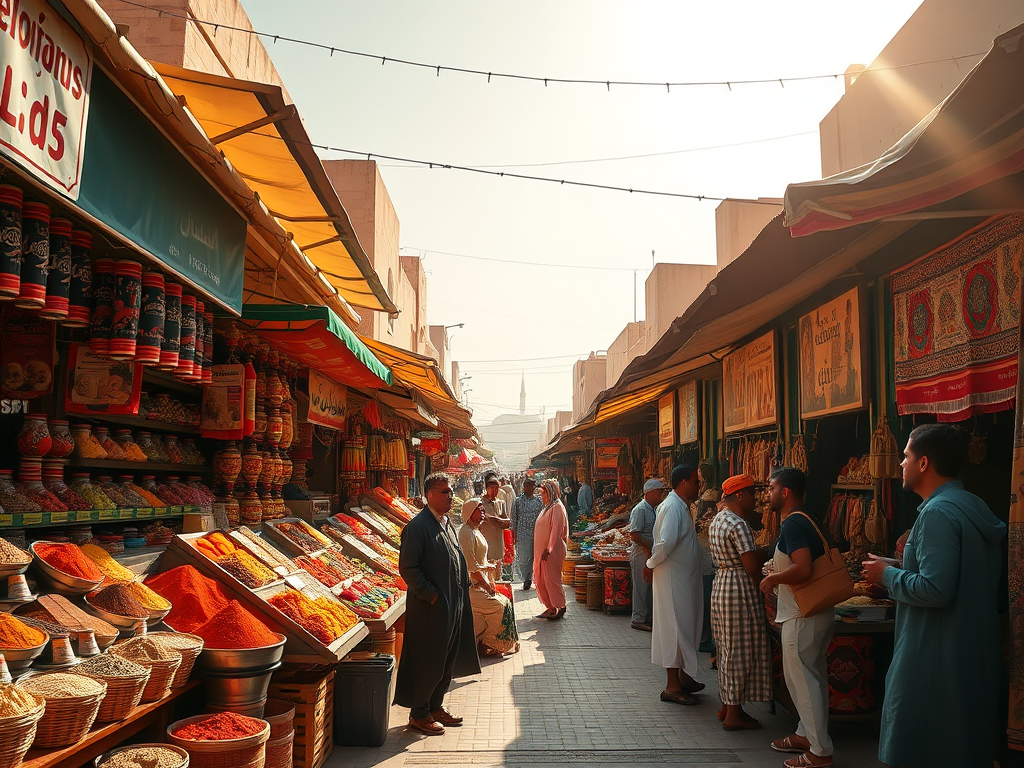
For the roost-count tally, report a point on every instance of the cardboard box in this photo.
(198, 522)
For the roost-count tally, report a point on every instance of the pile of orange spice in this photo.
(69, 559)
(322, 618)
(18, 634)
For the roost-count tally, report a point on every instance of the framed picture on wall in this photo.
(749, 392)
(831, 367)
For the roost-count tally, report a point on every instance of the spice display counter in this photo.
(388, 618)
(156, 715)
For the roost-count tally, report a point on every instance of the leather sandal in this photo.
(788, 745)
(427, 725)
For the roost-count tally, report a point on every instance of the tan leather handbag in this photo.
(830, 582)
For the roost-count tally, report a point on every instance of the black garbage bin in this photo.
(362, 701)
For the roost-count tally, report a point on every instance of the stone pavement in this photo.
(583, 690)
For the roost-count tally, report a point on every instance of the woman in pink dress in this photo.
(550, 535)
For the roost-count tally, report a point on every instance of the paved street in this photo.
(583, 690)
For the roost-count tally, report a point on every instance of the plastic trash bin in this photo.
(362, 702)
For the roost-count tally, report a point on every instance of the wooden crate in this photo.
(312, 693)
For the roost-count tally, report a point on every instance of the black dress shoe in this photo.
(526, 585)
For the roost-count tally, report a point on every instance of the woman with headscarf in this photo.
(493, 616)
(550, 536)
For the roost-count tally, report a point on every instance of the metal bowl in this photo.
(155, 617)
(226, 691)
(8, 606)
(13, 569)
(241, 659)
(19, 659)
(121, 622)
(62, 583)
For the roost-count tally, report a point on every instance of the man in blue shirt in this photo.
(585, 498)
(641, 531)
(525, 511)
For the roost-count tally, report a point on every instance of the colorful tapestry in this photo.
(956, 313)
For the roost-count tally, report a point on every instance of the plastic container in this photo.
(362, 701)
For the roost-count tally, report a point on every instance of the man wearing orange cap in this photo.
(678, 595)
(737, 613)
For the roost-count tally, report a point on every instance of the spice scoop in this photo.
(17, 588)
(86, 642)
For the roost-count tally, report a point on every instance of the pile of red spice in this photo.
(195, 598)
(235, 627)
(69, 559)
(223, 725)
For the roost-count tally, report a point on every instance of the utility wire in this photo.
(607, 83)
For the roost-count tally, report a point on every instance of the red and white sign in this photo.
(45, 74)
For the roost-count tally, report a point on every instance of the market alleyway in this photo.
(583, 691)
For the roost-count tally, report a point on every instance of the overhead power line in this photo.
(607, 83)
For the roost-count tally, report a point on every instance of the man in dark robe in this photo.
(438, 613)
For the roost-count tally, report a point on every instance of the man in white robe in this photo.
(674, 568)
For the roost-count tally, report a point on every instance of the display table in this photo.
(389, 617)
(105, 736)
(858, 661)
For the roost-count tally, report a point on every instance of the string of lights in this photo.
(668, 85)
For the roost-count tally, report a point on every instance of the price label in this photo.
(32, 518)
(144, 512)
(281, 570)
(125, 514)
(7, 520)
(107, 514)
(295, 582)
(58, 517)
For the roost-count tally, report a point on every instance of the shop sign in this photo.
(749, 395)
(328, 401)
(223, 415)
(606, 457)
(831, 376)
(46, 68)
(97, 384)
(27, 354)
(688, 413)
(136, 182)
(667, 420)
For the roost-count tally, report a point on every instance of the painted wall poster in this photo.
(688, 413)
(223, 412)
(667, 420)
(749, 397)
(28, 354)
(606, 457)
(98, 384)
(831, 373)
(328, 401)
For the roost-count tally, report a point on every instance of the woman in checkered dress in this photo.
(737, 614)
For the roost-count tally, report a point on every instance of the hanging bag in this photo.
(830, 582)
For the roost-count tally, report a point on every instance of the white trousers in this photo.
(804, 665)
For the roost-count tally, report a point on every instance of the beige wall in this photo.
(669, 290)
(880, 107)
(738, 222)
(588, 381)
(561, 420)
(181, 43)
(629, 344)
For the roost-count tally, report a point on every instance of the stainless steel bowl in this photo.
(121, 622)
(226, 691)
(8, 606)
(13, 569)
(241, 659)
(62, 583)
(155, 617)
(19, 659)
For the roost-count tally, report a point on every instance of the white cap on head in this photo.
(654, 484)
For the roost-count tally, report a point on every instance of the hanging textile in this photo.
(956, 314)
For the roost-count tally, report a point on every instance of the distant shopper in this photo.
(942, 690)
(549, 546)
(438, 614)
(805, 640)
(496, 520)
(585, 498)
(641, 531)
(494, 619)
(674, 571)
(737, 610)
(507, 494)
(525, 512)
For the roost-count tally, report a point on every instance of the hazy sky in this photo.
(525, 312)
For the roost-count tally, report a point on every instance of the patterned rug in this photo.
(957, 312)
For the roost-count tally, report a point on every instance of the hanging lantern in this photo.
(187, 348)
(10, 242)
(152, 312)
(127, 301)
(80, 292)
(102, 306)
(35, 255)
(172, 327)
(58, 278)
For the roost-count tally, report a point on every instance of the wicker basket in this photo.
(101, 759)
(67, 721)
(248, 752)
(17, 734)
(161, 675)
(279, 751)
(281, 716)
(189, 646)
(123, 695)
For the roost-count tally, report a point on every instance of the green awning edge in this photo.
(283, 313)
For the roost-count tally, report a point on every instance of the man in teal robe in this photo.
(942, 691)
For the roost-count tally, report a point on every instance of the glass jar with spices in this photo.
(12, 500)
(173, 450)
(128, 490)
(53, 481)
(30, 476)
(112, 491)
(113, 450)
(96, 498)
(61, 443)
(132, 451)
(34, 438)
(150, 447)
(86, 444)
